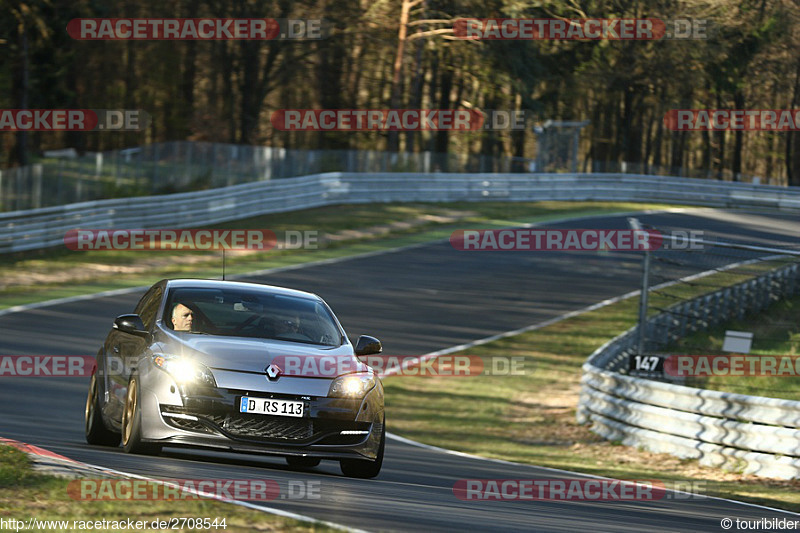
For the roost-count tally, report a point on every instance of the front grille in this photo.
(188, 425)
(264, 427)
(257, 427)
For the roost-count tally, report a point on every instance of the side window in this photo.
(143, 299)
(148, 307)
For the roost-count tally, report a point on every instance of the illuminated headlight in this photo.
(351, 386)
(184, 371)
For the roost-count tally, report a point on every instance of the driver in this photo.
(182, 318)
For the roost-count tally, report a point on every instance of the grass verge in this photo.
(343, 230)
(25, 494)
(776, 332)
(530, 418)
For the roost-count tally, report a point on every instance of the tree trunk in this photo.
(445, 87)
(648, 143)
(416, 94)
(393, 137)
(249, 106)
(793, 139)
(738, 103)
(227, 89)
(188, 73)
(518, 141)
(720, 135)
(705, 161)
(24, 87)
(329, 88)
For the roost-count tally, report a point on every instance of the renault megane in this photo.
(199, 363)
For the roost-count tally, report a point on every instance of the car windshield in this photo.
(258, 314)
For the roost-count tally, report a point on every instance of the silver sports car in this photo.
(204, 364)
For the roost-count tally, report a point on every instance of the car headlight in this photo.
(184, 370)
(351, 386)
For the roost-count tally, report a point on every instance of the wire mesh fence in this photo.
(180, 166)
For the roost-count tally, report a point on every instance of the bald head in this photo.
(182, 318)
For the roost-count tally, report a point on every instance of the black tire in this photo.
(303, 462)
(132, 424)
(363, 468)
(96, 430)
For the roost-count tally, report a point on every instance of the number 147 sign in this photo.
(647, 365)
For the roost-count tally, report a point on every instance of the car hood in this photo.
(248, 355)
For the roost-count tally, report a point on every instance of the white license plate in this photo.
(266, 406)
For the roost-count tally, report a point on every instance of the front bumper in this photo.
(333, 428)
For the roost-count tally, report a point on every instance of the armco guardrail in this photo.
(754, 434)
(41, 228)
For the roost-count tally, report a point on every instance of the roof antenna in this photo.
(223, 264)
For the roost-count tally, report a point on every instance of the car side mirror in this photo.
(131, 324)
(367, 345)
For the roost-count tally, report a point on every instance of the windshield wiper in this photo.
(291, 339)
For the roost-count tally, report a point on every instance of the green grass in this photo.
(530, 418)
(29, 277)
(26, 494)
(776, 331)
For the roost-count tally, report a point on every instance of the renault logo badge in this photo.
(273, 372)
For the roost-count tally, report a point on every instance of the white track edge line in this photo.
(559, 470)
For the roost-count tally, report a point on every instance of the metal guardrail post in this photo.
(642, 328)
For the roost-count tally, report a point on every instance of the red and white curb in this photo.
(52, 463)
